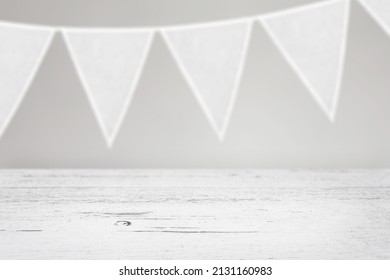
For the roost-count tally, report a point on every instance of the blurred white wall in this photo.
(275, 124)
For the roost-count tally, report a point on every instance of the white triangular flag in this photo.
(313, 40)
(109, 64)
(211, 58)
(380, 11)
(22, 49)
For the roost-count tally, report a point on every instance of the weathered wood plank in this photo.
(198, 214)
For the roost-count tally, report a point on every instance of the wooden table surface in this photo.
(194, 214)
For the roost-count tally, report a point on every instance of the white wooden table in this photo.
(198, 214)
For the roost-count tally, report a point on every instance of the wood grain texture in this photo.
(197, 214)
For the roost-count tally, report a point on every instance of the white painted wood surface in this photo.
(197, 214)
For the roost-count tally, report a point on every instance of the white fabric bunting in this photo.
(313, 41)
(380, 11)
(211, 58)
(22, 49)
(109, 64)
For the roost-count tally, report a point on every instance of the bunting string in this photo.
(211, 57)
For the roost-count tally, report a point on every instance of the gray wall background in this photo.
(275, 124)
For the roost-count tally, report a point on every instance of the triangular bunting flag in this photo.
(109, 64)
(313, 40)
(380, 11)
(22, 49)
(211, 58)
